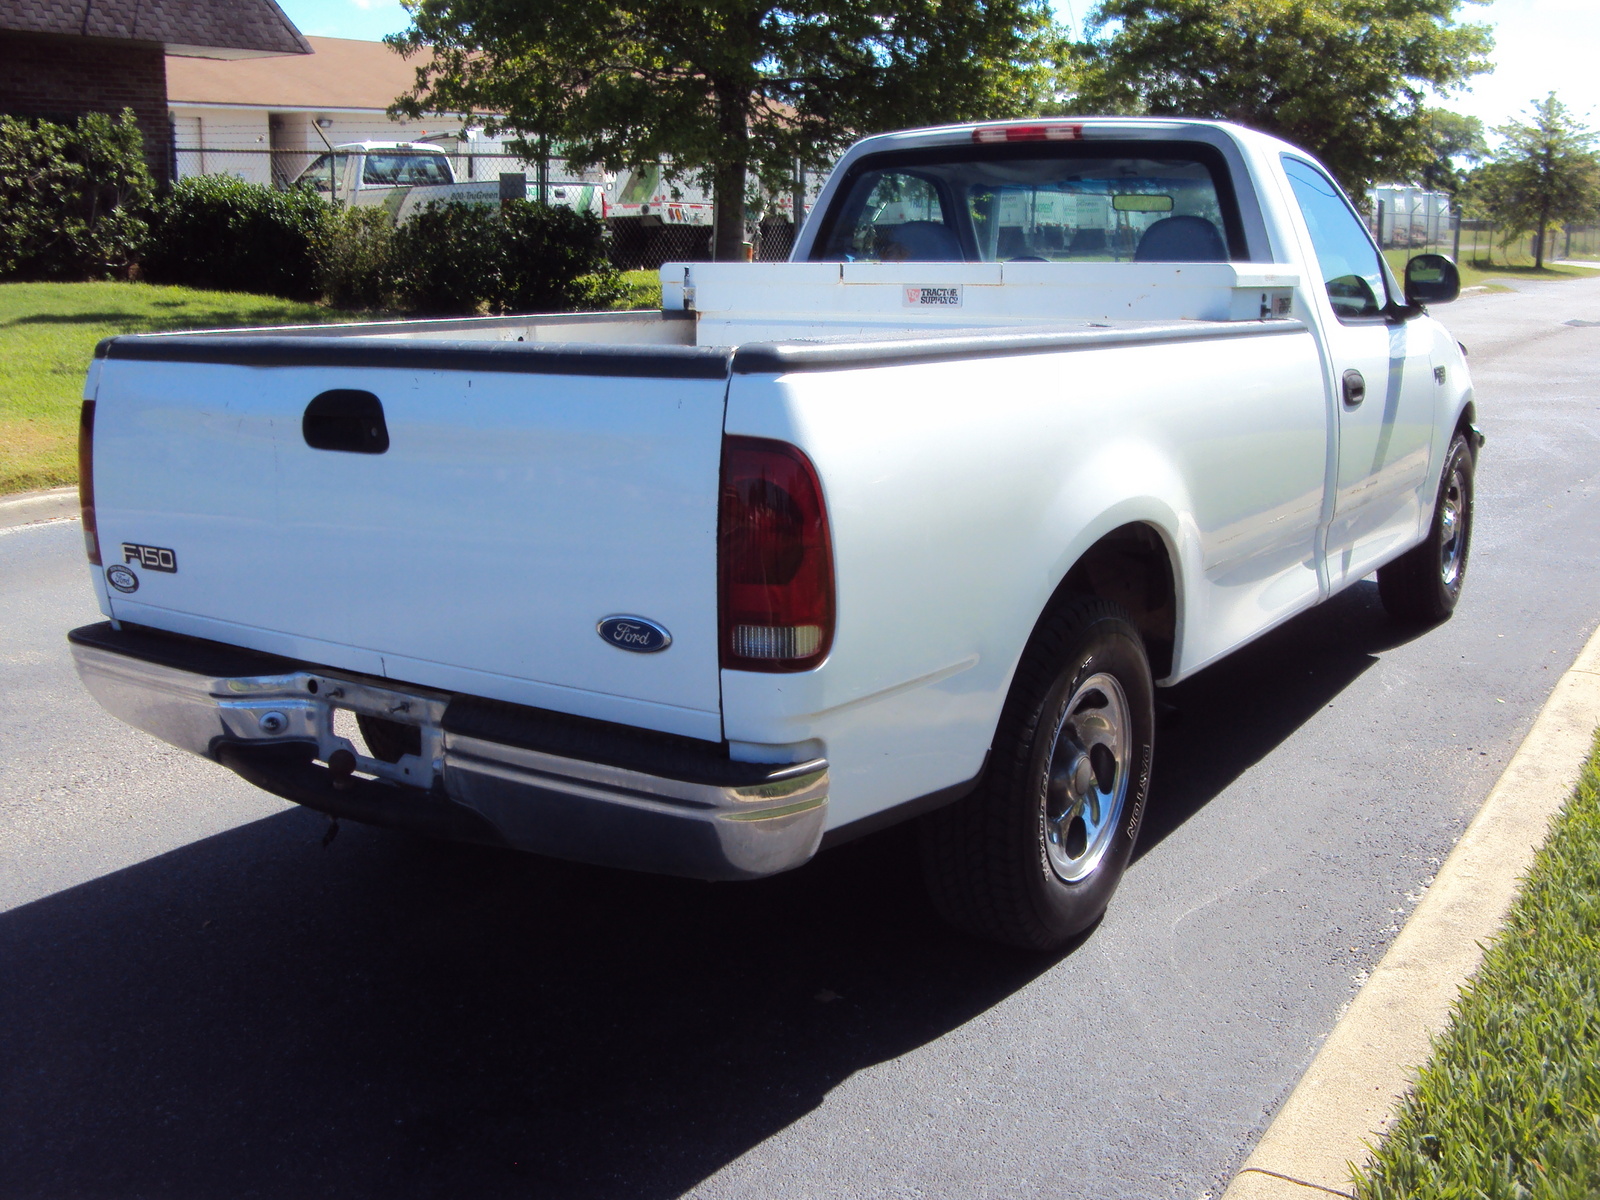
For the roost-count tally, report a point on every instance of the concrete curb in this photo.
(1347, 1097)
(32, 507)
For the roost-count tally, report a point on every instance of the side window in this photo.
(320, 176)
(895, 216)
(1351, 269)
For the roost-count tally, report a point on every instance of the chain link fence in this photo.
(774, 240)
(1422, 223)
(1483, 242)
(1422, 228)
(637, 246)
(1580, 241)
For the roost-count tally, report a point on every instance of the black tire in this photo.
(1018, 861)
(1423, 585)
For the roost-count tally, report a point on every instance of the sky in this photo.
(1541, 45)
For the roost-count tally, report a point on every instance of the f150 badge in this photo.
(151, 558)
(634, 633)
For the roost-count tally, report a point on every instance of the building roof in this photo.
(340, 73)
(207, 28)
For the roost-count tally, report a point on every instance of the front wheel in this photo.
(1032, 857)
(1424, 584)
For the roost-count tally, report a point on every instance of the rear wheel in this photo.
(1424, 584)
(1032, 857)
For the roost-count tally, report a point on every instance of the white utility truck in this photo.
(1039, 417)
(404, 176)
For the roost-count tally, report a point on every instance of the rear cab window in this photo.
(399, 169)
(1083, 202)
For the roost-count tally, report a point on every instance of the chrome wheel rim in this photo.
(1087, 778)
(1453, 529)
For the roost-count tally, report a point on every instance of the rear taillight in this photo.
(774, 557)
(91, 534)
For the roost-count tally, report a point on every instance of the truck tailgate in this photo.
(524, 496)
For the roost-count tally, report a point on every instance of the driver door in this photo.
(1381, 379)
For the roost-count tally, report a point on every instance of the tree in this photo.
(1545, 172)
(1346, 79)
(1452, 139)
(719, 88)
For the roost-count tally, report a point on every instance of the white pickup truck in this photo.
(1039, 417)
(404, 177)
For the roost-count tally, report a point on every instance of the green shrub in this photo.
(447, 259)
(215, 231)
(72, 197)
(554, 261)
(458, 258)
(357, 258)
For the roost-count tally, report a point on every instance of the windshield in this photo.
(1151, 202)
(400, 169)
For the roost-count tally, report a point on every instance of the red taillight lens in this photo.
(774, 557)
(1028, 133)
(91, 534)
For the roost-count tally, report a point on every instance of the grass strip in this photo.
(1476, 271)
(643, 289)
(48, 333)
(1508, 1108)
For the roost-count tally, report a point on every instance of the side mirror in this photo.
(1431, 279)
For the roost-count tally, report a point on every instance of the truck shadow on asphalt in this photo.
(1216, 725)
(257, 1015)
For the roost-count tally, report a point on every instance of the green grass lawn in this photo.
(1481, 271)
(644, 289)
(1509, 1106)
(48, 333)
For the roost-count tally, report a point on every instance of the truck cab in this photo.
(369, 173)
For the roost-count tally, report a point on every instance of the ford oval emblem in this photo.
(119, 577)
(634, 633)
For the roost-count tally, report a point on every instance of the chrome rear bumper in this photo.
(481, 771)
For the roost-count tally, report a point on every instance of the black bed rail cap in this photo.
(524, 358)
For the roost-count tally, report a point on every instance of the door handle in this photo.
(348, 420)
(1355, 389)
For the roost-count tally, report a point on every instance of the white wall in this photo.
(222, 141)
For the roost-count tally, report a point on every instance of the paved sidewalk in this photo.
(1348, 1096)
(29, 508)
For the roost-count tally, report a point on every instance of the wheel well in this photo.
(1131, 567)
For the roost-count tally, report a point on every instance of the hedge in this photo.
(73, 197)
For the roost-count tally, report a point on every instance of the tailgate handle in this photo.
(348, 420)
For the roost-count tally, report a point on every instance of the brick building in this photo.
(60, 59)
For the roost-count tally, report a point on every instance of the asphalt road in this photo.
(198, 998)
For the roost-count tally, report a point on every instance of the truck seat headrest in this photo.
(1181, 239)
(921, 241)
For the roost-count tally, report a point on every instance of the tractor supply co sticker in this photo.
(151, 558)
(933, 297)
(119, 577)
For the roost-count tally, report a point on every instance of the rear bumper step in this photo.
(483, 771)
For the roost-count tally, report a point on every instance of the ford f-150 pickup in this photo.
(1038, 417)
